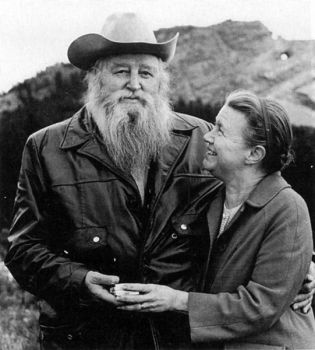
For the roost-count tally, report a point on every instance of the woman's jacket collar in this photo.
(267, 189)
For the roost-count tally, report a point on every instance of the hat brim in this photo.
(87, 49)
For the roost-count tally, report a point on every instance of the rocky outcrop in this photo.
(212, 61)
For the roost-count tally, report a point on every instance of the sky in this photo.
(35, 34)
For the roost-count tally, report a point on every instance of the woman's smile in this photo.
(210, 152)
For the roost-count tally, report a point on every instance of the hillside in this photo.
(211, 61)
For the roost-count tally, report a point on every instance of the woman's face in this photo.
(226, 147)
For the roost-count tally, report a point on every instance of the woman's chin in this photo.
(208, 165)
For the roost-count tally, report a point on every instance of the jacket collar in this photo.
(264, 192)
(79, 128)
(81, 134)
(267, 189)
(181, 124)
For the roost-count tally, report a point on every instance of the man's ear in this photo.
(256, 155)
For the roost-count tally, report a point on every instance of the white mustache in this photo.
(142, 100)
(141, 97)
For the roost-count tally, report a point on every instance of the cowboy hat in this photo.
(122, 33)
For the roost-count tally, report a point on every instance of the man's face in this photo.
(131, 80)
(128, 99)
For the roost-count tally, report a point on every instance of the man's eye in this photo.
(121, 71)
(146, 73)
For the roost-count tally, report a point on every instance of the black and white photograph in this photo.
(157, 180)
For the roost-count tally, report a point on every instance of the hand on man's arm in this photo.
(303, 300)
(152, 298)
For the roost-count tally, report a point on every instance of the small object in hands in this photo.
(117, 290)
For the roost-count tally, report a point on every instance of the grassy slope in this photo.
(18, 315)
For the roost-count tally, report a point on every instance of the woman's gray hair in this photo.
(268, 126)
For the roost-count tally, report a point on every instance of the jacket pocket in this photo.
(62, 334)
(189, 225)
(192, 229)
(190, 246)
(189, 235)
(87, 244)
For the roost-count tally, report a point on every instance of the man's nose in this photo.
(133, 83)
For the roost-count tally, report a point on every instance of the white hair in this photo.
(133, 135)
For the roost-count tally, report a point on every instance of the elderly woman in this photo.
(260, 238)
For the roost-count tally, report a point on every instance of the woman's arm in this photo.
(303, 301)
(152, 298)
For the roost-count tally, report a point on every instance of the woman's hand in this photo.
(303, 301)
(152, 298)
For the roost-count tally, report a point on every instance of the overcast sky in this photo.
(37, 33)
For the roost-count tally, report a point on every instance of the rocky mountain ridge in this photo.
(212, 61)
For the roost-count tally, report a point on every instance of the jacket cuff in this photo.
(194, 316)
(77, 281)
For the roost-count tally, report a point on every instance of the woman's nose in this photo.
(208, 137)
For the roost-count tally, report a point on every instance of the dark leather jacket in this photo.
(75, 212)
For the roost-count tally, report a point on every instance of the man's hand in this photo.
(152, 298)
(99, 284)
(303, 300)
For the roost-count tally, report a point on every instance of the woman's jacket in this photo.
(255, 270)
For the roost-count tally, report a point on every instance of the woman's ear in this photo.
(256, 155)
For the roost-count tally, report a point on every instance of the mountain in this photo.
(212, 61)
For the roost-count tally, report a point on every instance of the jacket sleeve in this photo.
(282, 262)
(35, 266)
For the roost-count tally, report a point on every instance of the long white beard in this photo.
(134, 132)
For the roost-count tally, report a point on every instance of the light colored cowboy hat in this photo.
(122, 33)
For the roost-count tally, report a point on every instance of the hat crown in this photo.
(127, 28)
(122, 34)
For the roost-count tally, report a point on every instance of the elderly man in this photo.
(99, 195)
(97, 192)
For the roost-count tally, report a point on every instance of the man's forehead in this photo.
(132, 59)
